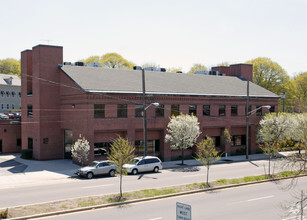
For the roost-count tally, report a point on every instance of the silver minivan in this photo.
(105, 167)
(144, 164)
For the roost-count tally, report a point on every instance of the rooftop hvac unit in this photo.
(79, 63)
(67, 63)
(152, 69)
(137, 68)
(93, 64)
(162, 69)
(202, 72)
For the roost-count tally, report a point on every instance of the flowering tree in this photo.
(121, 152)
(273, 130)
(207, 154)
(80, 150)
(183, 130)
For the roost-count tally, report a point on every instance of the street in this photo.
(254, 202)
(79, 187)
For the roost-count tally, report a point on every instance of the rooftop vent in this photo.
(67, 63)
(93, 64)
(137, 68)
(79, 63)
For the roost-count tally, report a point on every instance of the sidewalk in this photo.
(16, 171)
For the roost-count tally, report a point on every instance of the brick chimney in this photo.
(242, 70)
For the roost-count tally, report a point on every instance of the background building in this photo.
(10, 96)
(60, 102)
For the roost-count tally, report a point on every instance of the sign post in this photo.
(183, 211)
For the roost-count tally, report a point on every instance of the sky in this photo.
(168, 33)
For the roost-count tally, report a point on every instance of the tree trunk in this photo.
(120, 185)
(207, 175)
(182, 151)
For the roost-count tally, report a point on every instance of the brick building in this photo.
(60, 102)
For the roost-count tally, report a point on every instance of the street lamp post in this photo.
(247, 123)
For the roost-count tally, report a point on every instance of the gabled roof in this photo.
(9, 80)
(122, 81)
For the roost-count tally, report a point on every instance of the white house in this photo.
(10, 93)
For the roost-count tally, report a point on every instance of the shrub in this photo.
(26, 154)
(3, 214)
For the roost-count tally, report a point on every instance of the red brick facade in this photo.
(59, 106)
(10, 136)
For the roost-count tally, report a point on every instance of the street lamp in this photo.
(247, 123)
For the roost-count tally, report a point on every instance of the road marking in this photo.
(155, 218)
(88, 187)
(266, 197)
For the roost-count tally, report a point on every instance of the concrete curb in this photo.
(149, 199)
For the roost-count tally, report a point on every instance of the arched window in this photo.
(7, 93)
(13, 93)
(2, 93)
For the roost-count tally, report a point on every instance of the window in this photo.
(222, 110)
(7, 106)
(138, 111)
(2, 106)
(175, 110)
(153, 146)
(234, 110)
(30, 111)
(101, 149)
(160, 110)
(217, 141)
(2, 93)
(99, 111)
(13, 106)
(249, 109)
(122, 110)
(18, 142)
(13, 93)
(272, 109)
(259, 110)
(206, 110)
(192, 109)
(238, 140)
(7, 93)
(19, 94)
(30, 143)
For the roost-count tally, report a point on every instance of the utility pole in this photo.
(144, 113)
(247, 118)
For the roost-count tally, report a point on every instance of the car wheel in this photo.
(134, 171)
(112, 173)
(90, 175)
(156, 169)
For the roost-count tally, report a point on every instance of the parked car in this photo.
(144, 164)
(3, 116)
(105, 167)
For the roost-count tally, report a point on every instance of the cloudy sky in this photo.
(169, 33)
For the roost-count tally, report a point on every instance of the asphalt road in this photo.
(80, 187)
(253, 202)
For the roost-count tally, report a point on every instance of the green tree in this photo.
(10, 66)
(80, 150)
(197, 67)
(223, 64)
(92, 59)
(121, 152)
(207, 154)
(183, 130)
(226, 137)
(269, 75)
(174, 70)
(300, 85)
(114, 60)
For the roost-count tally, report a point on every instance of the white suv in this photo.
(144, 164)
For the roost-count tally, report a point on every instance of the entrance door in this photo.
(0, 146)
(67, 143)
